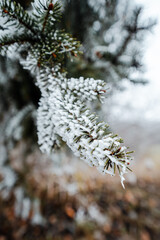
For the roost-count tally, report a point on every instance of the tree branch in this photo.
(20, 20)
(50, 7)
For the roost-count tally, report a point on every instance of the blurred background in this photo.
(59, 197)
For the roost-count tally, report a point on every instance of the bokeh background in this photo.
(59, 197)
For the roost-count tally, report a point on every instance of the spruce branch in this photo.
(86, 89)
(17, 15)
(8, 40)
(46, 14)
(89, 139)
(133, 27)
(50, 8)
(63, 111)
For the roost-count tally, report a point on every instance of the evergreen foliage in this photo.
(43, 48)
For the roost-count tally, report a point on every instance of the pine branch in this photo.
(54, 47)
(62, 111)
(14, 11)
(86, 89)
(50, 8)
(21, 39)
(79, 128)
(47, 14)
(124, 45)
(133, 27)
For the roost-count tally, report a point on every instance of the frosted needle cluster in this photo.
(63, 112)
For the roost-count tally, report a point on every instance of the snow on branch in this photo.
(62, 111)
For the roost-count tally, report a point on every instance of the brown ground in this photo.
(78, 203)
(108, 212)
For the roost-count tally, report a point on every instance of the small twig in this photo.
(50, 7)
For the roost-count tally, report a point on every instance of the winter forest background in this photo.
(61, 197)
